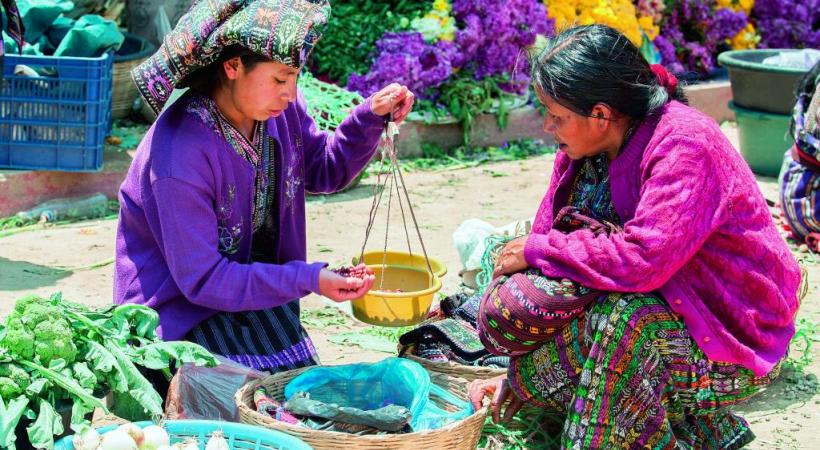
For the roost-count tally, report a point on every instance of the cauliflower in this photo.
(13, 381)
(36, 327)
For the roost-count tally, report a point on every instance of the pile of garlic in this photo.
(152, 437)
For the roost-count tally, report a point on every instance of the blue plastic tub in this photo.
(57, 121)
(239, 436)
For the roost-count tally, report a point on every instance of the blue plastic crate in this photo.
(57, 121)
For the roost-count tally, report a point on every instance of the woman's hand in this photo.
(511, 259)
(499, 391)
(394, 98)
(341, 289)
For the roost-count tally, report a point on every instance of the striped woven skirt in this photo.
(271, 339)
(627, 374)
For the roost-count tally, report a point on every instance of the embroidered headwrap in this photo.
(283, 30)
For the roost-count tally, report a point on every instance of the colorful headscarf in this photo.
(283, 30)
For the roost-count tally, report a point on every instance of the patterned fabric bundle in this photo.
(449, 335)
(800, 176)
(518, 313)
(283, 30)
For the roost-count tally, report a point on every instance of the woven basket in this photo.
(462, 434)
(469, 373)
(134, 51)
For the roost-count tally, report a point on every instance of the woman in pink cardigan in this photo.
(699, 291)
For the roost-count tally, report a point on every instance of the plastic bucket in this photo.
(397, 309)
(764, 137)
(759, 86)
(396, 258)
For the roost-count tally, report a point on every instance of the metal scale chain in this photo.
(394, 179)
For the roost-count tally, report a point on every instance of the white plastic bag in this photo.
(469, 241)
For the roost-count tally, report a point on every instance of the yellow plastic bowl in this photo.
(397, 309)
(396, 258)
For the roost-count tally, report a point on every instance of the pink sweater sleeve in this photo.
(683, 199)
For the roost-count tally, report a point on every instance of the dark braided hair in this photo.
(587, 65)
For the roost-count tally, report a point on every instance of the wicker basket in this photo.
(462, 434)
(134, 51)
(469, 373)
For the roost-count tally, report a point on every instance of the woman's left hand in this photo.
(394, 98)
(503, 397)
(511, 259)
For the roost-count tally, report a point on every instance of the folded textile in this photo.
(388, 418)
(460, 337)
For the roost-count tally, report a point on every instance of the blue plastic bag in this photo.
(369, 386)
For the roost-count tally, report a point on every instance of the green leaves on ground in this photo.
(375, 343)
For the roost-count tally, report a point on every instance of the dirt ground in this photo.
(786, 416)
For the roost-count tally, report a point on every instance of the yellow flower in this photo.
(746, 39)
(619, 14)
(736, 5)
(441, 5)
(563, 12)
(649, 27)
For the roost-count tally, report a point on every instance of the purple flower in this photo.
(489, 42)
(725, 24)
(699, 57)
(406, 58)
(788, 23)
(494, 33)
(692, 32)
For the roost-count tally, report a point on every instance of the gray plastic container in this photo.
(759, 86)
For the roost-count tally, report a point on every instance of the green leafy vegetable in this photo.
(14, 380)
(37, 327)
(160, 355)
(49, 422)
(10, 415)
(68, 384)
(52, 350)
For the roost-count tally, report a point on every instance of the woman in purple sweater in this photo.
(212, 221)
(700, 291)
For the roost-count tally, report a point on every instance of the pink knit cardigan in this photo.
(697, 230)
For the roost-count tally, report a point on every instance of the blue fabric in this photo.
(369, 386)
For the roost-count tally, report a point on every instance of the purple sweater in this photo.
(184, 233)
(696, 229)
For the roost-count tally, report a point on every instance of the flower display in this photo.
(619, 14)
(489, 40)
(494, 33)
(651, 8)
(408, 59)
(451, 45)
(788, 23)
(437, 24)
(692, 32)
